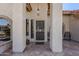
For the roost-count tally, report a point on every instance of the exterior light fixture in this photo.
(38, 10)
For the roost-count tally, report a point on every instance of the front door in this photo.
(40, 33)
(36, 30)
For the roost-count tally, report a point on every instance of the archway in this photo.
(5, 33)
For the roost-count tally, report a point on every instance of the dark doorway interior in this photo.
(39, 30)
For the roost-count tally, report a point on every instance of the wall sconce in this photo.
(38, 10)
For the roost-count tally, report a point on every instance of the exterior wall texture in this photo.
(16, 14)
(72, 25)
(66, 19)
(74, 28)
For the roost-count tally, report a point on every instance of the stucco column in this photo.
(19, 34)
(56, 28)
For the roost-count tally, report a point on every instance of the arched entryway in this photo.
(5, 33)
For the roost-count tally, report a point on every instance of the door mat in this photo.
(39, 42)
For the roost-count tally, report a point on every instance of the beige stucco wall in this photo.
(42, 11)
(6, 9)
(72, 25)
(66, 19)
(19, 33)
(74, 28)
(16, 13)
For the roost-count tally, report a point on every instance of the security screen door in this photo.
(40, 30)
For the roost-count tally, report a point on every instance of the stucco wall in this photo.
(19, 35)
(42, 11)
(16, 13)
(74, 28)
(6, 9)
(72, 25)
(66, 19)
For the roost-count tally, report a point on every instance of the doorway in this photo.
(36, 30)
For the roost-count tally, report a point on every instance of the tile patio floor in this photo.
(70, 48)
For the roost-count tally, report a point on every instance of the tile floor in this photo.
(70, 48)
